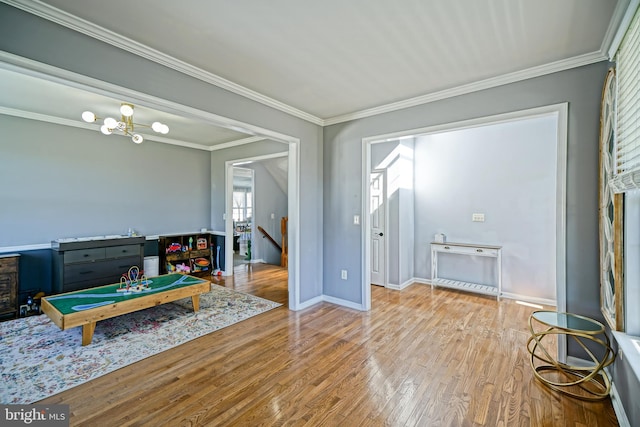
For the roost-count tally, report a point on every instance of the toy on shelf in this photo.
(201, 243)
(173, 248)
(200, 264)
(133, 281)
(183, 268)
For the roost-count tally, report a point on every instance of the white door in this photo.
(378, 218)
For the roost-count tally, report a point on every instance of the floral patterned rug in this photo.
(38, 360)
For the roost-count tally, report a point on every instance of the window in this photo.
(627, 173)
(626, 176)
(242, 209)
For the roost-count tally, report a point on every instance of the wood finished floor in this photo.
(420, 357)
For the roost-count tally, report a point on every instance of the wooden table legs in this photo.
(89, 328)
(87, 332)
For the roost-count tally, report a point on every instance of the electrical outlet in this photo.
(477, 217)
(343, 274)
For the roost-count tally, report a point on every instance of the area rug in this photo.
(38, 360)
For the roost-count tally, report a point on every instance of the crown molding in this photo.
(236, 143)
(75, 23)
(147, 137)
(553, 67)
(611, 39)
(622, 16)
(50, 13)
(19, 64)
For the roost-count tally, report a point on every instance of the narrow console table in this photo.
(469, 250)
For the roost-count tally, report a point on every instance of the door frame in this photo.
(293, 209)
(48, 72)
(560, 111)
(383, 171)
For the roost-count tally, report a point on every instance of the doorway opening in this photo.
(265, 236)
(417, 267)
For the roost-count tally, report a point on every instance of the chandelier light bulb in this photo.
(125, 125)
(88, 117)
(110, 122)
(126, 110)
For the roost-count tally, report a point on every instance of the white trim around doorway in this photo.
(558, 110)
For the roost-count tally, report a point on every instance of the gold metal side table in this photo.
(583, 382)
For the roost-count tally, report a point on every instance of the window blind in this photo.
(627, 167)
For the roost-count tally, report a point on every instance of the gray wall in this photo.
(406, 226)
(507, 171)
(400, 206)
(70, 182)
(269, 199)
(28, 36)
(218, 160)
(580, 87)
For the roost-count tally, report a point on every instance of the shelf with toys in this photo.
(186, 253)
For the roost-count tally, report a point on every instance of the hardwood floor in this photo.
(420, 357)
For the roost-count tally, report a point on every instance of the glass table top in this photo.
(568, 321)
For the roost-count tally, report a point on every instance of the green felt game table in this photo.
(88, 306)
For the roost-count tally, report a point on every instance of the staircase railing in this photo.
(269, 238)
(284, 252)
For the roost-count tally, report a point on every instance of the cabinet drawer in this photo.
(8, 293)
(9, 265)
(98, 273)
(83, 255)
(122, 251)
(468, 250)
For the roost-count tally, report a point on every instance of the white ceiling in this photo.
(331, 60)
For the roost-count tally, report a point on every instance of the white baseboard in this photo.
(615, 397)
(342, 302)
(526, 298)
(400, 286)
(309, 303)
(618, 408)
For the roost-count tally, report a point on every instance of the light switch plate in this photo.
(356, 220)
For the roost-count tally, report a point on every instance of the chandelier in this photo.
(125, 124)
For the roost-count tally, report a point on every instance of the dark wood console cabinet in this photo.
(9, 284)
(88, 262)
